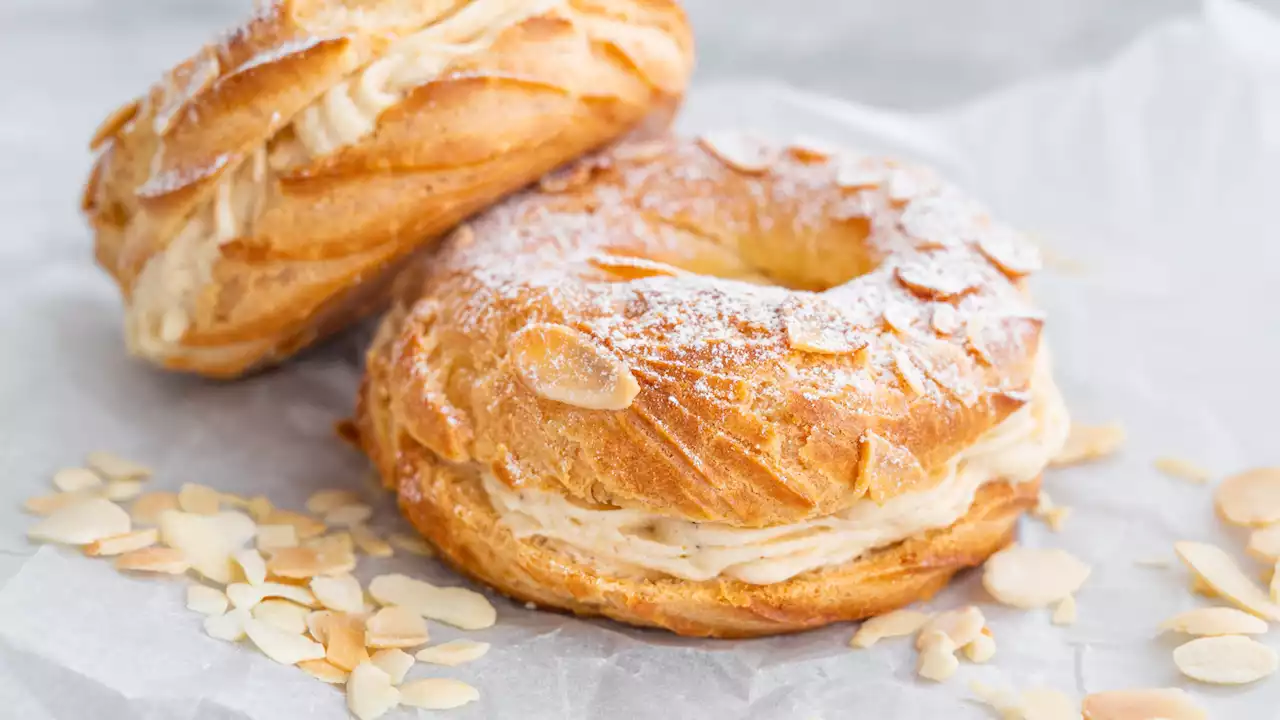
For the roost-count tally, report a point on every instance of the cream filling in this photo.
(1016, 450)
(167, 290)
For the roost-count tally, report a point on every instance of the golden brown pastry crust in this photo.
(304, 240)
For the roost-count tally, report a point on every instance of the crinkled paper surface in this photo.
(1158, 174)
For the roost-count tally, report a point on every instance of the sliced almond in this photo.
(276, 537)
(892, 624)
(286, 648)
(199, 500)
(396, 627)
(1264, 543)
(1273, 583)
(369, 543)
(208, 541)
(1183, 469)
(1089, 442)
(370, 694)
(460, 607)
(147, 508)
(934, 279)
(982, 648)
(206, 600)
(338, 542)
(244, 595)
(324, 501)
(228, 626)
(1145, 704)
(562, 364)
(454, 652)
(308, 562)
(288, 616)
(114, 467)
(344, 641)
(72, 480)
(1047, 704)
(252, 566)
(1225, 660)
(342, 593)
(962, 626)
(1033, 577)
(318, 624)
(1250, 498)
(43, 505)
(859, 174)
(324, 671)
(81, 523)
(122, 490)
(1065, 613)
(154, 560)
(910, 375)
(303, 526)
(1215, 621)
(937, 660)
(437, 693)
(1002, 701)
(119, 544)
(1013, 255)
(348, 515)
(739, 151)
(412, 544)
(395, 663)
(260, 508)
(1216, 568)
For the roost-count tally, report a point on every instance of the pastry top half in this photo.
(262, 192)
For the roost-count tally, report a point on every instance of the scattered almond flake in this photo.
(81, 523)
(1153, 562)
(395, 627)
(1264, 543)
(740, 152)
(1089, 442)
(206, 600)
(147, 508)
(340, 542)
(233, 500)
(808, 148)
(370, 694)
(260, 508)
(565, 365)
(324, 501)
(908, 373)
(932, 280)
(1144, 704)
(369, 543)
(1216, 568)
(285, 648)
(962, 626)
(229, 626)
(395, 663)
(937, 660)
(437, 693)
(114, 467)
(891, 624)
(308, 562)
(946, 320)
(1047, 704)
(252, 566)
(1065, 613)
(288, 616)
(317, 623)
(121, 490)
(982, 648)
(1013, 255)
(858, 174)
(72, 480)
(305, 527)
(902, 185)
(344, 641)
(119, 544)
(1032, 577)
(454, 652)
(342, 593)
(460, 607)
(275, 537)
(1053, 515)
(1200, 587)
(411, 544)
(1002, 701)
(208, 541)
(1225, 660)
(1183, 469)
(324, 671)
(199, 500)
(1215, 621)
(1273, 583)
(244, 595)
(348, 515)
(43, 505)
(154, 560)
(1250, 498)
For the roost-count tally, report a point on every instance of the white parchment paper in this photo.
(1159, 173)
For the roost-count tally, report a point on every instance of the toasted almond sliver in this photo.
(229, 626)
(396, 627)
(276, 537)
(1264, 543)
(76, 480)
(308, 562)
(340, 543)
(199, 500)
(460, 607)
(324, 671)
(284, 647)
(206, 600)
(260, 508)
(737, 150)
(1216, 568)
(1002, 701)
(288, 616)
(318, 624)
(437, 693)
(1089, 442)
(370, 694)
(244, 595)
(892, 624)
(1225, 660)
(114, 467)
(155, 560)
(962, 626)
(43, 505)
(344, 641)
(1065, 613)
(342, 593)
(937, 660)
(348, 515)
(324, 501)
(252, 566)
(454, 652)
(1032, 577)
(121, 490)
(81, 523)
(369, 542)
(208, 541)
(119, 544)
(395, 663)
(147, 508)
(1144, 704)
(1183, 469)
(1047, 704)
(1250, 498)
(568, 366)
(982, 648)
(1215, 621)
(411, 544)
(305, 527)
